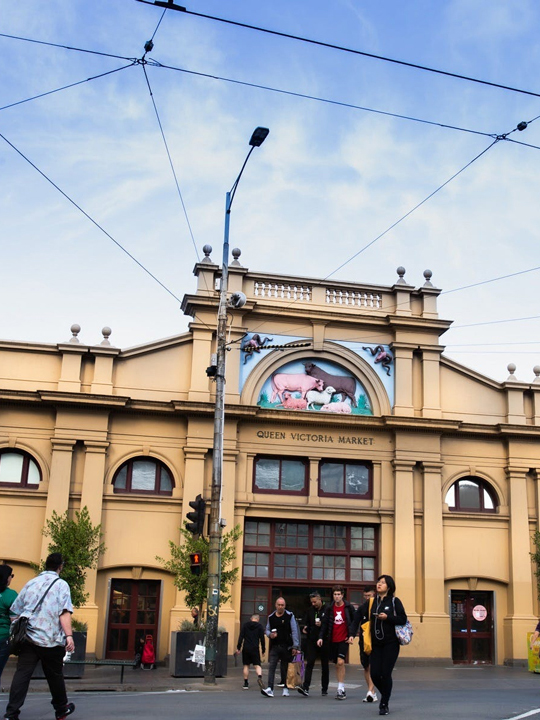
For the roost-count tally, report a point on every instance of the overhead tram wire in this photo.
(66, 87)
(94, 222)
(304, 96)
(415, 66)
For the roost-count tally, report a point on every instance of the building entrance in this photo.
(472, 627)
(133, 614)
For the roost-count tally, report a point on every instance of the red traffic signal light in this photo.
(195, 560)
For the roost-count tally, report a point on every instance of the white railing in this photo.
(353, 298)
(283, 291)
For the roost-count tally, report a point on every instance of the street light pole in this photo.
(214, 548)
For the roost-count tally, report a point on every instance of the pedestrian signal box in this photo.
(195, 560)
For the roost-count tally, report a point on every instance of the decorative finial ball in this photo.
(106, 332)
(428, 275)
(75, 329)
(511, 367)
(207, 249)
(236, 252)
(401, 271)
(536, 370)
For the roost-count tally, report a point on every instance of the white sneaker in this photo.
(268, 692)
(285, 692)
(370, 697)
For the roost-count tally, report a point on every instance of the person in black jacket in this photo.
(284, 642)
(311, 627)
(251, 637)
(387, 611)
(335, 629)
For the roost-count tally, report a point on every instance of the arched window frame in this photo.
(29, 467)
(484, 490)
(159, 474)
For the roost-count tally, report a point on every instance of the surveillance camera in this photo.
(237, 300)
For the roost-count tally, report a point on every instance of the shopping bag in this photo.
(366, 630)
(295, 672)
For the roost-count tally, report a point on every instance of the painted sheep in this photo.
(337, 407)
(314, 397)
(343, 384)
(293, 383)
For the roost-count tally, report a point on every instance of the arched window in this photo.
(144, 476)
(471, 494)
(18, 469)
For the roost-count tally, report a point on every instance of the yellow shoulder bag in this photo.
(366, 630)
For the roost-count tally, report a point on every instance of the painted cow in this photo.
(337, 407)
(293, 403)
(343, 385)
(293, 382)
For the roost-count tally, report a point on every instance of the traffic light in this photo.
(195, 560)
(196, 526)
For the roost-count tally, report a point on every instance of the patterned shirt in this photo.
(44, 628)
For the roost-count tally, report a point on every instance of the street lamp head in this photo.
(259, 136)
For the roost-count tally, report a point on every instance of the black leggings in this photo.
(381, 663)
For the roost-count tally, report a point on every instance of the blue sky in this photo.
(327, 181)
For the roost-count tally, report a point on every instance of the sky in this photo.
(327, 182)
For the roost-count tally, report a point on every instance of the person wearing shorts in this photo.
(251, 638)
(335, 628)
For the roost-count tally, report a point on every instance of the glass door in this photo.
(472, 627)
(133, 614)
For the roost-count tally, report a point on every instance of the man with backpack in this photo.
(46, 602)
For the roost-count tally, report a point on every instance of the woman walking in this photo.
(387, 611)
(7, 597)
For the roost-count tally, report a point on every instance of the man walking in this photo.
(311, 627)
(49, 636)
(251, 637)
(282, 630)
(335, 628)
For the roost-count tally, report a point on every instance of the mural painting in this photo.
(315, 385)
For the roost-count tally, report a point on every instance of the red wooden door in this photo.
(133, 614)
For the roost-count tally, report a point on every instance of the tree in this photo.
(196, 586)
(80, 544)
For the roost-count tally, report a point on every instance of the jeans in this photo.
(381, 663)
(52, 662)
(277, 653)
(4, 654)
(312, 650)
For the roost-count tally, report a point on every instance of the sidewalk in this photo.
(107, 679)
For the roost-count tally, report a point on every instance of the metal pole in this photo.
(214, 548)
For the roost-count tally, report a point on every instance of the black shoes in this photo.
(303, 691)
(383, 709)
(68, 710)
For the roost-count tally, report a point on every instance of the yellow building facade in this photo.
(352, 447)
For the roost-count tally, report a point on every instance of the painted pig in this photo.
(337, 407)
(293, 382)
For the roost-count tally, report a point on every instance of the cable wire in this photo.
(67, 47)
(66, 87)
(342, 48)
(94, 222)
(171, 163)
(316, 98)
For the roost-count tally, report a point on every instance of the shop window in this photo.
(18, 469)
(345, 479)
(280, 475)
(144, 476)
(256, 565)
(471, 494)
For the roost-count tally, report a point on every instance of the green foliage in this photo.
(535, 556)
(80, 544)
(196, 586)
(79, 625)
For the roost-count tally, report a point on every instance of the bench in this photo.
(120, 663)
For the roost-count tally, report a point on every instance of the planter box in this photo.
(71, 672)
(182, 649)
